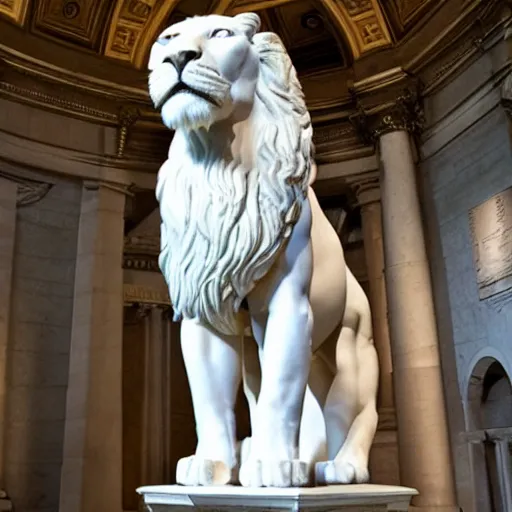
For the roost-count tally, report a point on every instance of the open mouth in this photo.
(181, 87)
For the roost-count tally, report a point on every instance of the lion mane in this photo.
(230, 223)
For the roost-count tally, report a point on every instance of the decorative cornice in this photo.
(141, 253)
(142, 245)
(54, 74)
(39, 98)
(136, 294)
(450, 66)
(475, 14)
(143, 262)
(28, 191)
(379, 81)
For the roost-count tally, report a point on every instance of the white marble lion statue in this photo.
(246, 246)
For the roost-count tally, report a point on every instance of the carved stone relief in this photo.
(491, 231)
(368, 25)
(28, 191)
(129, 22)
(356, 7)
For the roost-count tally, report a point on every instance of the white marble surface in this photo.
(242, 130)
(362, 495)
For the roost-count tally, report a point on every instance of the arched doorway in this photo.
(490, 425)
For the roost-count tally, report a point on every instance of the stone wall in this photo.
(467, 172)
(466, 159)
(38, 349)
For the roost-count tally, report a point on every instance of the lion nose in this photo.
(182, 58)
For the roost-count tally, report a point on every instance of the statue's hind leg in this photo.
(350, 410)
(213, 369)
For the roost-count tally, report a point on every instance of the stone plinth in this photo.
(346, 498)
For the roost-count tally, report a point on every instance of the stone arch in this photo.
(489, 421)
(472, 388)
(489, 395)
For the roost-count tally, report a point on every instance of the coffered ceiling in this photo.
(335, 31)
(88, 58)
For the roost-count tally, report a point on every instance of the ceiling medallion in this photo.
(312, 21)
(71, 10)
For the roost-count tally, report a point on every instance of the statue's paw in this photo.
(195, 470)
(272, 473)
(243, 451)
(341, 471)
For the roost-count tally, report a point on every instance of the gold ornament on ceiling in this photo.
(79, 21)
(124, 30)
(136, 23)
(15, 10)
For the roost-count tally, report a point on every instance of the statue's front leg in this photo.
(273, 458)
(213, 369)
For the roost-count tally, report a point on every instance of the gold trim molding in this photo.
(137, 294)
(135, 24)
(57, 103)
(360, 21)
(15, 10)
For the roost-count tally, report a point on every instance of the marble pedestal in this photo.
(345, 498)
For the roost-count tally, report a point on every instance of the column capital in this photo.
(367, 191)
(366, 187)
(386, 103)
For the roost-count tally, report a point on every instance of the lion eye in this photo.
(164, 40)
(222, 32)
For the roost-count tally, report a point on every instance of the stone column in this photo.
(8, 192)
(368, 197)
(384, 466)
(424, 446)
(92, 460)
(156, 430)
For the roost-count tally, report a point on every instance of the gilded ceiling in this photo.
(87, 58)
(124, 30)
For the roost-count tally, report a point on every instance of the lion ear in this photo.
(249, 22)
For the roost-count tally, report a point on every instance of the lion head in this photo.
(239, 163)
(204, 69)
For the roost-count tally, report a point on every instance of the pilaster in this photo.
(424, 444)
(390, 118)
(8, 193)
(92, 460)
(384, 456)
